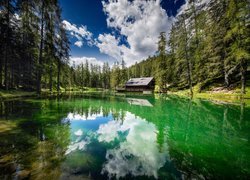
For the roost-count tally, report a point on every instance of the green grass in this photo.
(73, 89)
(15, 94)
(10, 94)
(233, 96)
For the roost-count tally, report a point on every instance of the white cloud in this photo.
(76, 146)
(80, 33)
(79, 117)
(144, 161)
(140, 22)
(79, 60)
(109, 45)
(108, 132)
(78, 133)
(17, 16)
(79, 43)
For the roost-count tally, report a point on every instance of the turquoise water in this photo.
(129, 137)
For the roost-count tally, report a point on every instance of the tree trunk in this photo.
(190, 76)
(82, 83)
(12, 82)
(243, 69)
(18, 75)
(6, 52)
(50, 78)
(226, 77)
(189, 65)
(1, 78)
(58, 74)
(40, 60)
(6, 81)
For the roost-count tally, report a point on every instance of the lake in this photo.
(126, 137)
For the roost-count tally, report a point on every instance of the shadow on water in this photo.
(102, 137)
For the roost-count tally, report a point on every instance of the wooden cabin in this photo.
(144, 84)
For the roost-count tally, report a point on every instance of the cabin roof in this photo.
(144, 81)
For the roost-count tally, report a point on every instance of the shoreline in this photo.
(12, 94)
(232, 97)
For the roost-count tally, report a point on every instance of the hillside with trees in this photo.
(209, 45)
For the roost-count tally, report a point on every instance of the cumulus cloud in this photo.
(83, 117)
(91, 60)
(78, 43)
(78, 133)
(108, 44)
(76, 146)
(108, 132)
(144, 161)
(140, 22)
(80, 33)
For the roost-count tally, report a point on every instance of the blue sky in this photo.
(111, 30)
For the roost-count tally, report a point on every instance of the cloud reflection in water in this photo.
(138, 155)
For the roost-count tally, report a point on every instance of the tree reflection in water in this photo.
(107, 137)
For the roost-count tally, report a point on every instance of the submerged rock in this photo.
(24, 174)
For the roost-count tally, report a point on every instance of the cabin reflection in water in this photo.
(139, 102)
(98, 138)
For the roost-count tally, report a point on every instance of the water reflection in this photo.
(101, 139)
(83, 127)
(136, 152)
(139, 102)
(138, 155)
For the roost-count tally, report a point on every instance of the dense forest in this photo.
(208, 44)
(34, 48)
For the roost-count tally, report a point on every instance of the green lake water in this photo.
(127, 137)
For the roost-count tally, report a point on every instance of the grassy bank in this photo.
(15, 94)
(223, 96)
(10, 94)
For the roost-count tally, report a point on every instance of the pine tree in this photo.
(29, 41)
(162, 63)
(123, 72)
(7, 37)
(115, 76)
(62, 47)
(237, 38)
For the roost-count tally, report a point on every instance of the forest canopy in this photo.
(208, 44)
